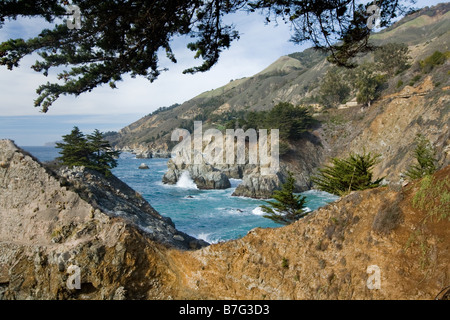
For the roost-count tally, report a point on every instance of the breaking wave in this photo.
(185, 181)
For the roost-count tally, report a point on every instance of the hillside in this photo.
(291, 78)
(327, 255)
(409, 101)
(125, 250)
(285, 80)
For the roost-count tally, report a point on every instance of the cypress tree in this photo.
(424, 154)
(287, 207)
(102, 157)
(92, 152)
(345, 175)
(74, 149)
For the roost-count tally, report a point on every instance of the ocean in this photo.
(211, 215)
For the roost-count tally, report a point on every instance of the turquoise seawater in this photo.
(211, 215)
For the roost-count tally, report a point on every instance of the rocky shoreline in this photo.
(146, 153)
(52, 222)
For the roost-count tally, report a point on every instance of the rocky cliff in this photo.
(204, 176)
(390, 126)
(385, 243)
(332, 253)
(50, 221)
(412, 101)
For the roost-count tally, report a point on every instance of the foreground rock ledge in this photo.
(49, 223)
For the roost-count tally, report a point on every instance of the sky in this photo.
(110, 110)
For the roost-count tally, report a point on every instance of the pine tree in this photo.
(287, 207)
(92, 152)
(424, 154)
(74, 149)
(102, 157)
(345, 175)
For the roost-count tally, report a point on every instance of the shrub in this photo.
(424, 155)
(415, 79)
(345, 175)
(287, 207)
(430, 62)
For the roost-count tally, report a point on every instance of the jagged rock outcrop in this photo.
(145, 152)
(373, 244)
(204, 176)
(390, 127)
(255, 185)
(50, 222)
(302, 161)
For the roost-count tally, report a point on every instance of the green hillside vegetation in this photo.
(412, 28)
(348, 174)
(415, 47)
(424, 155)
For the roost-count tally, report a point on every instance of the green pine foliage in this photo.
(74, 150)
(291, 121)
(90, 151)
(424, 154)
(334, 88)
(120, 38)
(349, 174)
(392, 58)
(287, 207)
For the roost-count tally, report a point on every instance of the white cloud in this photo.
(246, 57)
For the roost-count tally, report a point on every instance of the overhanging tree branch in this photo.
(124, 36)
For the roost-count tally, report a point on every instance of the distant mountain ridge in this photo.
(293, 78)
(407, 102)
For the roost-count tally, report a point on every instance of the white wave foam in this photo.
(258, 211)
(206, 237)
(185, 181)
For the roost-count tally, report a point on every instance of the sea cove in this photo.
(210, 215)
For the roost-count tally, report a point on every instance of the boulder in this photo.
(205, 176)
(255, 185)
(144, 166)
(52, 221)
